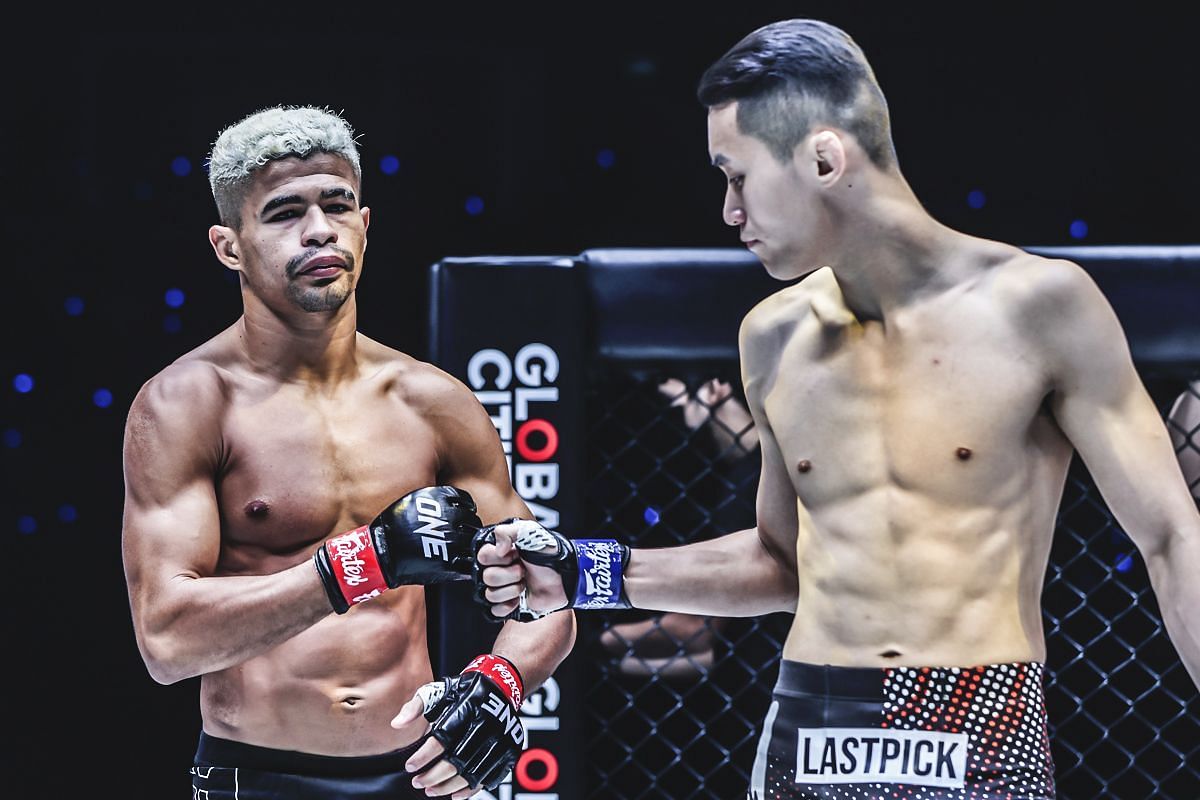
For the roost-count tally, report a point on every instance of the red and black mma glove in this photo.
(592, 570)
(475, 716)
(423, 538)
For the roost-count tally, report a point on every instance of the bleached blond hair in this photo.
(267, 135)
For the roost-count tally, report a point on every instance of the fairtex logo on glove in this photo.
(503, 673)
(600, 574)
(355, 565)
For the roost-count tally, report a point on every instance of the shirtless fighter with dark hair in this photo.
(918, 397)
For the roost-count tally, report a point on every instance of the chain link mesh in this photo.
(675, 701)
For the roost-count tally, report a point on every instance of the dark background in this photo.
(1054, 113)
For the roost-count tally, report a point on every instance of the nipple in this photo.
(257, 508)
(804, 465)
(963, 453)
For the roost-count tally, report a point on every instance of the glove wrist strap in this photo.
(503, 673)
(354, 566)
(601, 575)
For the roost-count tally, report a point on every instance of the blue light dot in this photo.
(102, 398)
(67, 513)
(181, 166)
(1124, 563)
(172, 323)
(27, 524)
(23, 383)
(1079, 229)
(606, 158)
(74, 306)
(12, 438)
(174, 298)
(976, 198)
(651, 515)
(474, 205)
(389, 164)
(642, 67)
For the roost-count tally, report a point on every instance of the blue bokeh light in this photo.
(181, 166)
(389, 164)
(102, 398)
(23, 383)
(74, 306)
(976, 198)
(606, 158)
(1124, 563)
(12, 438)
(651, 515)
(174, 298)
(26, 524)
(1079, 229)
(474, 205)
(172, 323)
(67, 513)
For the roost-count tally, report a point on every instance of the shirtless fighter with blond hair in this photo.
(291, 486)
(918, 397)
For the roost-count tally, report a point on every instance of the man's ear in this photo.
(366, 215)
(225, 244)
(827, 151)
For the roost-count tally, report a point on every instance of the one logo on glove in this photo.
(600, 573)
(434, 532)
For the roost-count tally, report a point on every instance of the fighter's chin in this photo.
(785, 269)
(318, 300)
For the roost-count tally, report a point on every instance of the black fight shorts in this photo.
(228, 770)
(917, 733)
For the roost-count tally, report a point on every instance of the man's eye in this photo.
(736, 181)
(337, 208)
(282, 215)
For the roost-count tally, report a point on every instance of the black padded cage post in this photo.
(670, 705)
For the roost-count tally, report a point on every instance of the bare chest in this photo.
(939, 406)
(299, 467)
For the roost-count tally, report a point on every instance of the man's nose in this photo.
(318, 231)
(732, 211)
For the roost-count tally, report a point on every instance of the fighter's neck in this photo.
(893, 253)
(312, 347)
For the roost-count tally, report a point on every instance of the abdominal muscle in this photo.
(891, 579)
(332, 689)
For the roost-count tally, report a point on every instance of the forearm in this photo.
(1173, 574)
(537, 648)
(202, 625)
(730, 576)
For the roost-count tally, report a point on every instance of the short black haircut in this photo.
(794, 74)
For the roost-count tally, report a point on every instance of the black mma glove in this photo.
(424, 537)
(475, 717)
(592, 570)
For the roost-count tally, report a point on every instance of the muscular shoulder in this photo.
(767, 326)
(1043, 295)
(424, 387)
(176, 416)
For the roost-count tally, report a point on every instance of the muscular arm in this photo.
(1100, 403)
(750, 572)
(472, 458)
(188, 622)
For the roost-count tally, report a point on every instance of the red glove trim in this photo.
(355, 565)
(503, 673)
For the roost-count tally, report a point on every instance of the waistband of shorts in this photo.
(859, 683)
(213, 751)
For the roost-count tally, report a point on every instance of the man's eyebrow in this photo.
(289, 199)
